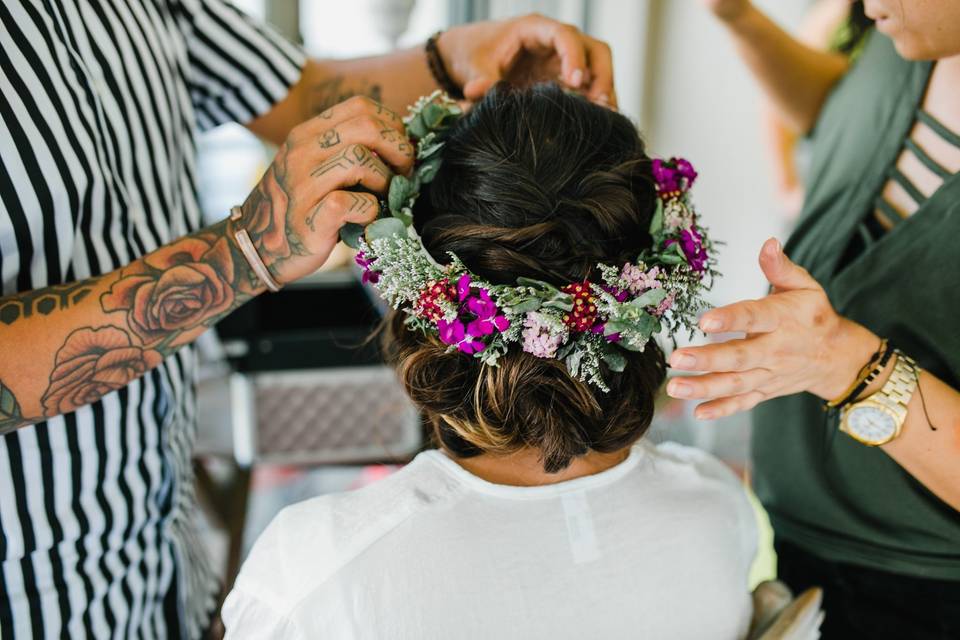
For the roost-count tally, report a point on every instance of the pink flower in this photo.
(537, 339)
(639, 281)
(478, 316)
(664, 305)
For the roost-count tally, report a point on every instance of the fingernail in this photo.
(576, 78)
(679, 389)
(603, 99)
(711, 324)
(682, 361)
(704, 414)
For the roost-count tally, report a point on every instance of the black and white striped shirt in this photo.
(100, 103)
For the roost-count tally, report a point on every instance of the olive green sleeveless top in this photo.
(825, 492)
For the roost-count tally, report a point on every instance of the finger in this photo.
(539, 32)
(728, 406)
(749, 316)
(732, 355)
(476, 87)
(392, 146)
(718, 385)
(600, 60)
(780, 271)
(340, 207)
(347, 110)
(354, 165)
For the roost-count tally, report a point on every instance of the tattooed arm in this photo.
(66, 346)
(476, 55)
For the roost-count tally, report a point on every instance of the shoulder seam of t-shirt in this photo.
(637, 452)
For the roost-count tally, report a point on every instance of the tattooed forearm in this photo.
(331, 91)
(43, 301)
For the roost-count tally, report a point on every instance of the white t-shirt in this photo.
(658, 546)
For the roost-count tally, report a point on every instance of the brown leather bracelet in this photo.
(439, 70)
(867, 375)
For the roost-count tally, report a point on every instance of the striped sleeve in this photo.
(237, 67)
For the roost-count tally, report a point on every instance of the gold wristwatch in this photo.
(879, 418)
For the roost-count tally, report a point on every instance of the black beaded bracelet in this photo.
(885, 354)
(439, 70)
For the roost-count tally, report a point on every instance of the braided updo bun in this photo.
(540, 183)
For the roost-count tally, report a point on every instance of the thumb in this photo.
(780, 271)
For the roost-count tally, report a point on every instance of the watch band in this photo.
(250, 252)
(902, 382)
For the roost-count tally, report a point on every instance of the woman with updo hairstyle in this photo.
(543, 513)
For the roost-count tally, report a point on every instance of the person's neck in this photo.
(525, 468)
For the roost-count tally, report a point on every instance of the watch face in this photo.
(871, 424)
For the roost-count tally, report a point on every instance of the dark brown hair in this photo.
(539, 183)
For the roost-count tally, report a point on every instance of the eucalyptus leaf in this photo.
(525, 306)
(656, 223)
(672, 258)
(566, 350)
(562, 301)
(432, 115)
(428, 170)
(385, 228)
(400, 191)
(536, 284)
(350, 234)
(405, 215)
(614, 359)
(613, 326)
(416, 127)
(649, 298)
(573, 363)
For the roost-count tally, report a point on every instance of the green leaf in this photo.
(350, 234)
(656, 223)
(427, 150)
(573, 362)
(428, 170)
(400, 191)
(647, 325)
(405, 215)
(416, 128)
(671, 258)
(614, 358)
(525, 306)
(613, 326)
(649, 298)
(566, 350)
(385, 228)
(433, 115)
(536, 284)
(562, 301)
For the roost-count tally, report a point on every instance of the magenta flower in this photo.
(600, 328)
(478, 316)
(673, 175)
(369, 276)
(691, 242)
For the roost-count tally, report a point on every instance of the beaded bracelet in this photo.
(439, 70)
(869, 373)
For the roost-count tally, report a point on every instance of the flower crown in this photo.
(582, 323)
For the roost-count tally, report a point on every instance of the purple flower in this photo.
(463, 287)
(600, 328)
(675, 174)
(451, 332)
(478, 316)
(369, 276)
(691, 242)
